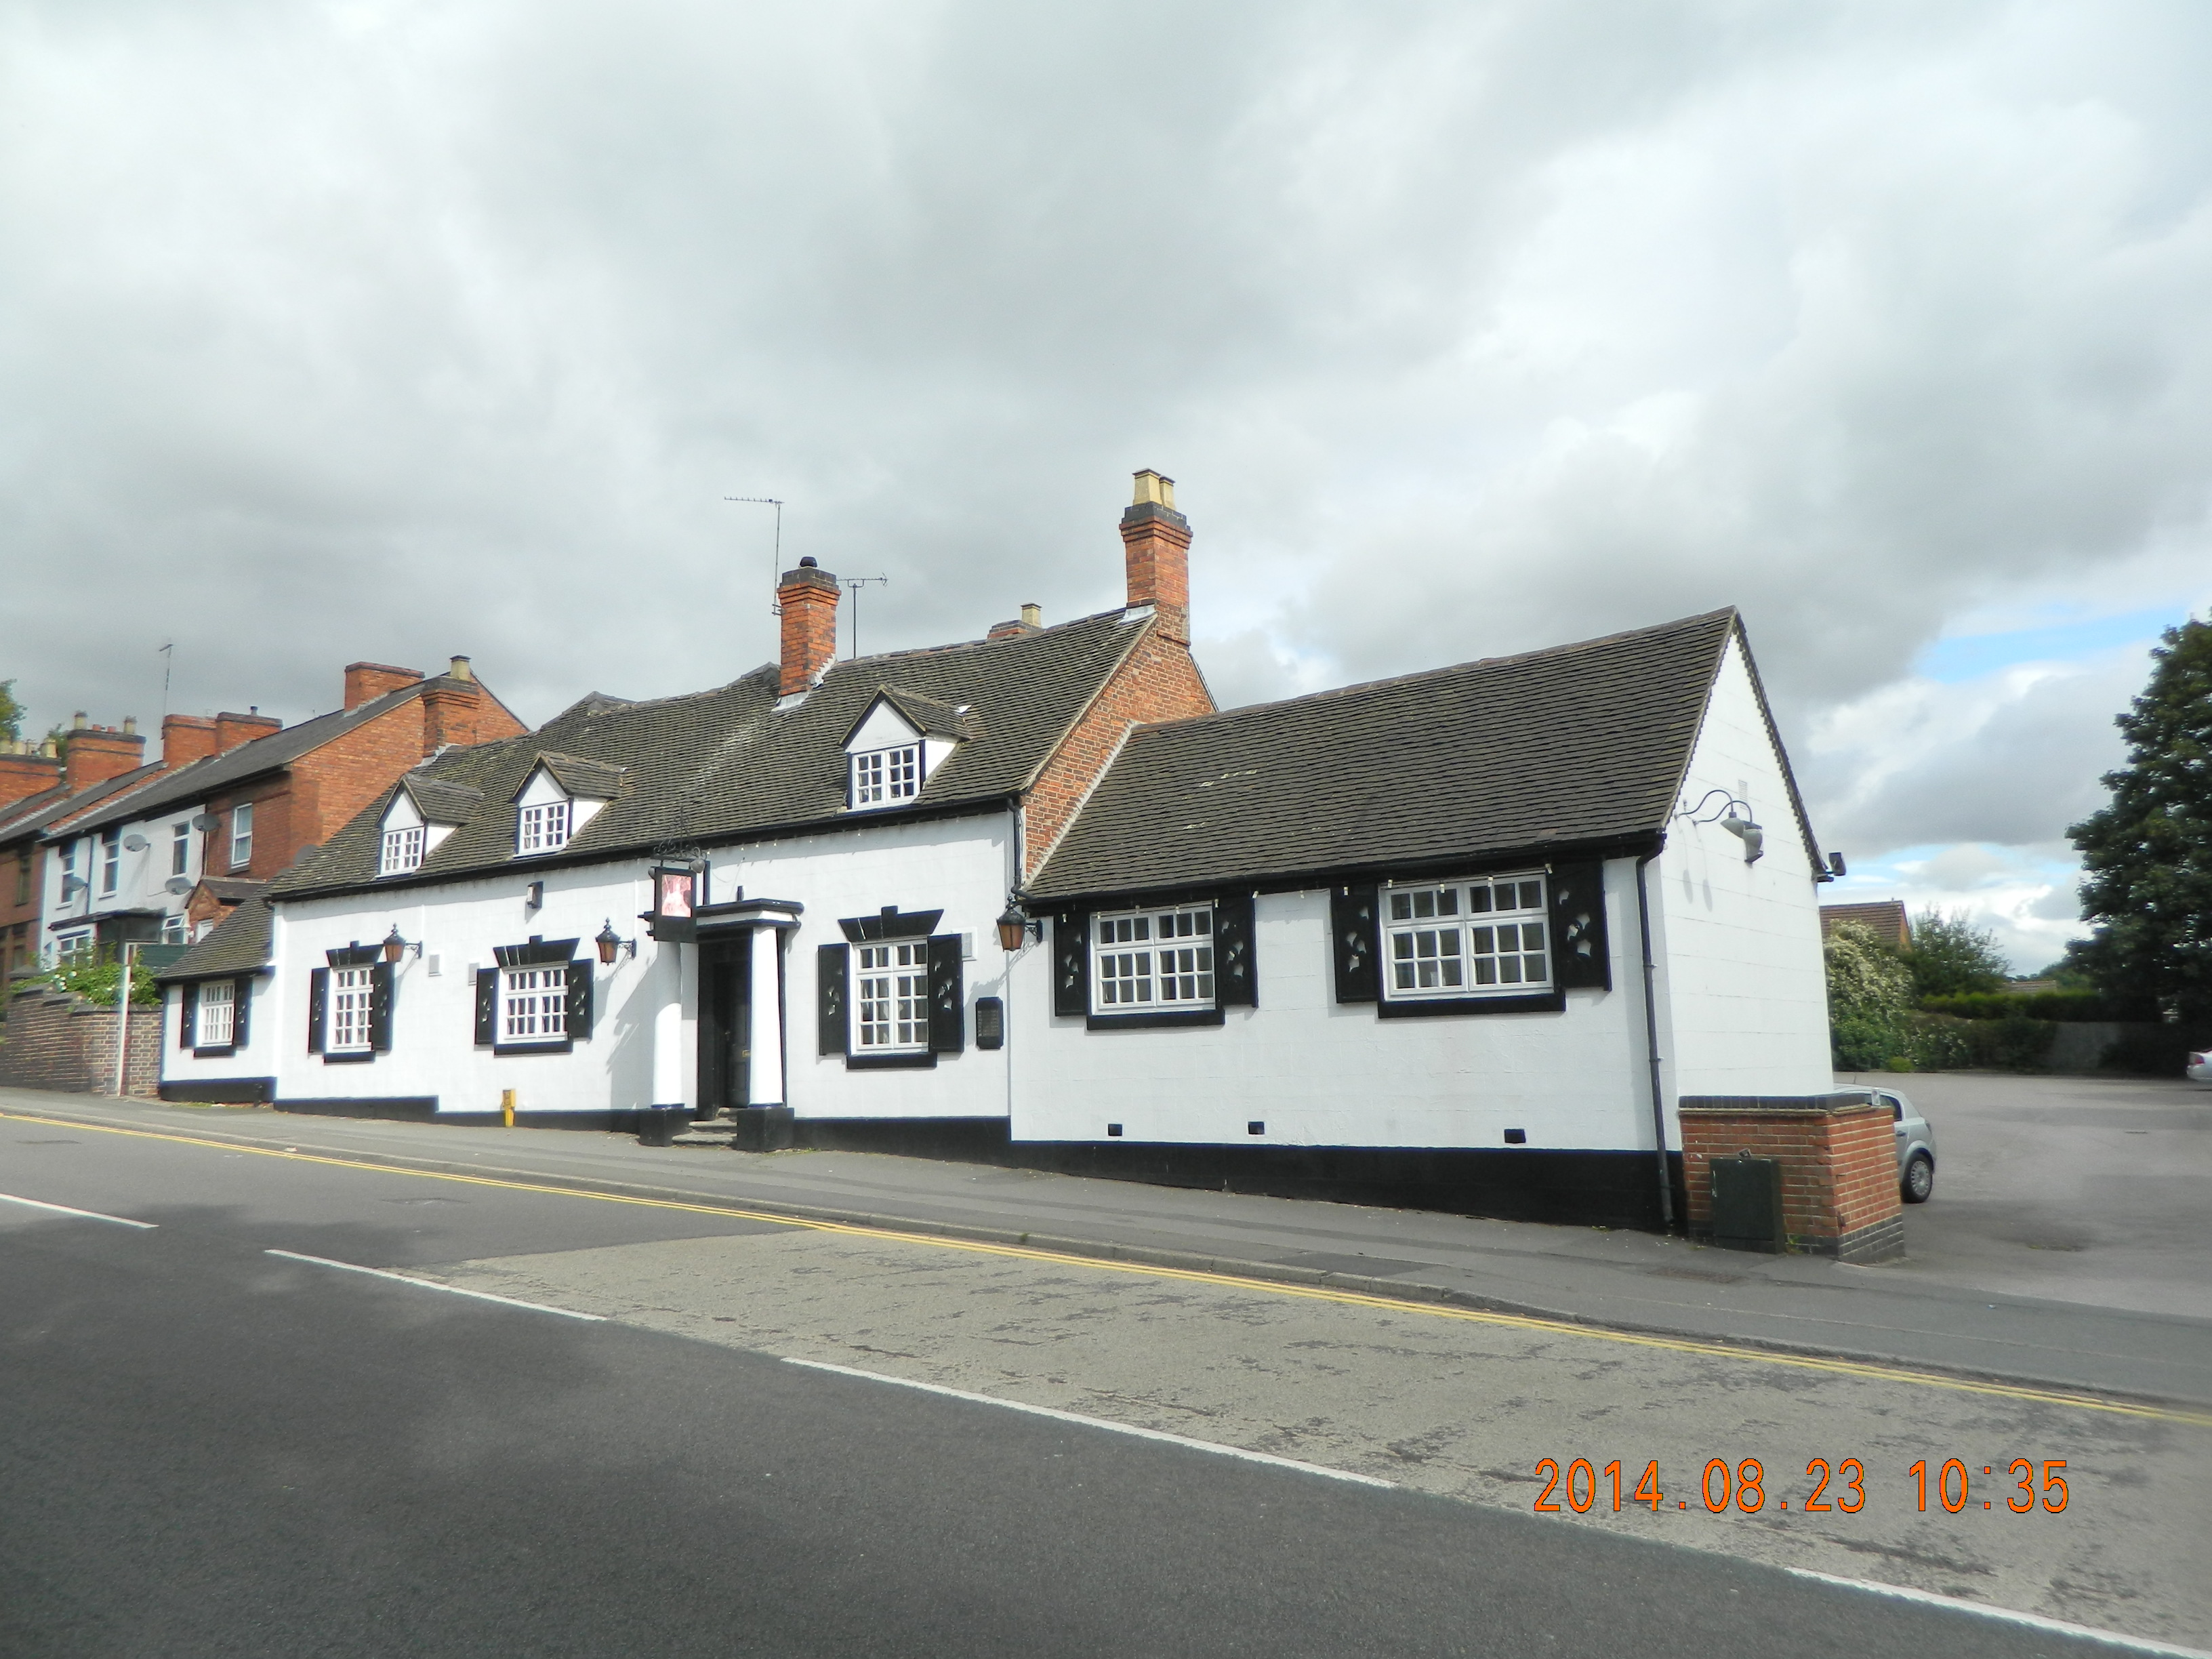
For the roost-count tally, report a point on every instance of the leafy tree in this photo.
(1951, 956)
(101, 981)
(1869, 992)
(2148, 892)
(11, 712)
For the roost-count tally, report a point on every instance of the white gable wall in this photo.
(1743, 991)
(883, 728)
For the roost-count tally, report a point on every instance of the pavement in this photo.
(1959, 1303)
(266, 1395)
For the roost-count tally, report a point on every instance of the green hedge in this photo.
(2067, 1007)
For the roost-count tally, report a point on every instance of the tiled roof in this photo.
(596, 779)
(234, 890)
(929, 714)
(238, 945)
(440, 800)
(54, 807)
(1884, 918)
(249, 760)
(1581, 743)
(728, 764)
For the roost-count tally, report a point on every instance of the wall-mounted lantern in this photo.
(396, 947)
(1015, 928)
(1735, 816)
(610, 943)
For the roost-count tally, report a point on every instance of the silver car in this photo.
(1916, 1147)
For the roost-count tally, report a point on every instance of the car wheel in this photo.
(1919, 1178)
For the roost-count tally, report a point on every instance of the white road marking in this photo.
(88, 1215)
(1214, 1447)
(2003, 1616)
(432, 1285)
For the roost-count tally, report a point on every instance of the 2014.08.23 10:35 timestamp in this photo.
(2024, 1488)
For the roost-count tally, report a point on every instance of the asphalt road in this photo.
(206, 1448)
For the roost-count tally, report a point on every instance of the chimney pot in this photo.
(807, 563)
(1033, 616)
(81, 721)
(462, 669)
(1154, 490)
(129, 722)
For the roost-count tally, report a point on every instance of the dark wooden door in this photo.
(725, 1023)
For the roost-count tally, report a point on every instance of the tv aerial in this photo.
(775, 558)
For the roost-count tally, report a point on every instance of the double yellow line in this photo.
(1194, 1276)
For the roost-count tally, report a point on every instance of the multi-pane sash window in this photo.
(218, 1004)
(891, 1011)
(403, 851)
(544, 828)
(533, 1004)
(181, 849)
(1152, 959)
(241, 835)
(1467, 938)
(350, 989)
(886, 775)
(71, 946)
(110, 860)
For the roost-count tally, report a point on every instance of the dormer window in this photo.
(887, 776)
(403, 851)
(544, 828)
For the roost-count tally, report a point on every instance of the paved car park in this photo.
(2088, 1189)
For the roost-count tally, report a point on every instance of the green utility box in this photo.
(1747, 1204)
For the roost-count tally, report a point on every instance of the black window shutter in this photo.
(486, 1005)
(948, 997)
(1580, 958)
(188, 1015)
(241, 1004)
(379, 1007)
(1354, 939)
(579, 1000)
(319, 997)
(830, 966)
(1235, 976)
(1071, 963)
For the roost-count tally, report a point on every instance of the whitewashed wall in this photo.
(1744, 997)
(958, 866)
(141, 877)
(1320, 1074)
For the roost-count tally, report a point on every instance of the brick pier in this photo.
(1838, 1157)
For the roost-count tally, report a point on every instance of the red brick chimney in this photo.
(25, 772)
(186, 739)
(231, 730)
(450, 704)
(1156, 540)
(808, 599)
(97, 753)
(367, 681)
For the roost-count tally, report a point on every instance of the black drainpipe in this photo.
(1651, 1047)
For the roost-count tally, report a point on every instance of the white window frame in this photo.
(533, 1004)
(69, 946)
(890, 997)
(111, 861)
(241, 835)
(181, 849)
(346, 1021)
(215, 1018)
(1454, 940)
(172, 929)
(888, 777)
(1158, 960)
(403, 850)
(544, 828)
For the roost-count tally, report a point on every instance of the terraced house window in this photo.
(351, 991)
(544, 828)
(1466, 938)
(111, 858)
(403, 851)
(1147, 960)
(241, 835)
(891, 1011)
(217, 1006)
(533, 1004)
(181, 849)
(886, 776)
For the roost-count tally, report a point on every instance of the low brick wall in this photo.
(60, 1042)
(1838, 1157)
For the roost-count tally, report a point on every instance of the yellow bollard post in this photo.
(506, 1108)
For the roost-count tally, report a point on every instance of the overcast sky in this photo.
(391, 330)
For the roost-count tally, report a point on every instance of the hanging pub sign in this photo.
(675, 904)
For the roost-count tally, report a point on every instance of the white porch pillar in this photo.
(765, 988)
(674, 1064)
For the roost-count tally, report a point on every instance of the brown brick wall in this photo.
(56, 1041)
(1838, 1169)
(1157, 681)
(808, 599)
(20, 931)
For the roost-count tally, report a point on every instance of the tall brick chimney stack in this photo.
(232, 730)
(1156, 540)
(808, 599)
(97, 753)
(24, 771)
(451, 706)
(186, 739)
(365, 682)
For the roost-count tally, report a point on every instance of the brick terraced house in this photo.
(1459, 939)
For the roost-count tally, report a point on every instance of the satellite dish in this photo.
(179, 884)
(72, 885)
(134, 843)
(207, 821)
